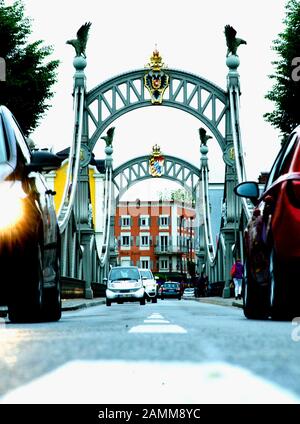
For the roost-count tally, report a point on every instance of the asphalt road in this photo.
(170, 352)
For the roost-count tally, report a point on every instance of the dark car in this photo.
(29, 234)
(170, 289)
(214, 288)
(272, 238)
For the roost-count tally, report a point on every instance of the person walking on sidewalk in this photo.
(237, 273)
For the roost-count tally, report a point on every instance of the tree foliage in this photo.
(29, 77)
(285, 93)
(180, 195)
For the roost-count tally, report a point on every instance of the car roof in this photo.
(124, 266)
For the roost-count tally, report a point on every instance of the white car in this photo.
(125, 284)
(150, 285)
(189, 292)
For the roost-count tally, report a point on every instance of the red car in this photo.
(272, 239)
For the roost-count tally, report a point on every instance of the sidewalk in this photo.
(221, 301)
(75, 304)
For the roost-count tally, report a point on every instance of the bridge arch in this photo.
(137, 169)
(126, 92)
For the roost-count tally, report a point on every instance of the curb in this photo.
(220, 302)
(238, 305)
(81, 305)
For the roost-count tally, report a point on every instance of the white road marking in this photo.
(155, 316)
(124, 382)
(168, 328)
(160, 326)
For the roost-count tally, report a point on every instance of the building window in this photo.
(164, 243)
(125, 261)
(125, 241)
(164, 264)
(144, 221)
(145, 263)
(163, 221)
(144, 240)
(125, 221)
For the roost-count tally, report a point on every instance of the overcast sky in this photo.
(190, 36)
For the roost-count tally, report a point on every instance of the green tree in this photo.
(180, 195)
(285, 93)
(29, 77)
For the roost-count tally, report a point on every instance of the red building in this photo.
(157, 234)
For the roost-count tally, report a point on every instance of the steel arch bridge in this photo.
(96, 110)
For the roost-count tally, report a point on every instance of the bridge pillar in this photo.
(83, 199)
(232, 206)
(228, 234)
(99, 213)
(85, 241)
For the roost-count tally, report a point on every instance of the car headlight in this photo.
(110, 285)
(12, 208)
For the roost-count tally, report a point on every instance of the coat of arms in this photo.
(156, 80)
(156, 162)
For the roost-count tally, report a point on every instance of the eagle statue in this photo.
(109, 136)
(79, 43)
(232, 41)
(203, 136)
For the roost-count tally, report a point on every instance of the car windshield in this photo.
(146, 274)
(282, 161)
(124, 274)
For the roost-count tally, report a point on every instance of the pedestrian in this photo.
(237, 273)
(203, 284)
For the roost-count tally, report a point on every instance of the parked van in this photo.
(125, 284)
(150, 284)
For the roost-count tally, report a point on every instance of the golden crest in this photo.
(156, 80)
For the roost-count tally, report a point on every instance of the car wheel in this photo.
(143, 301)
(179, 297)
(255, 297)
(51, 309)
(108, 302)
(154, 300)
(283, 298)
(26, 295)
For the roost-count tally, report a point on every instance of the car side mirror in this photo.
(248, 189)
(43, 161)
